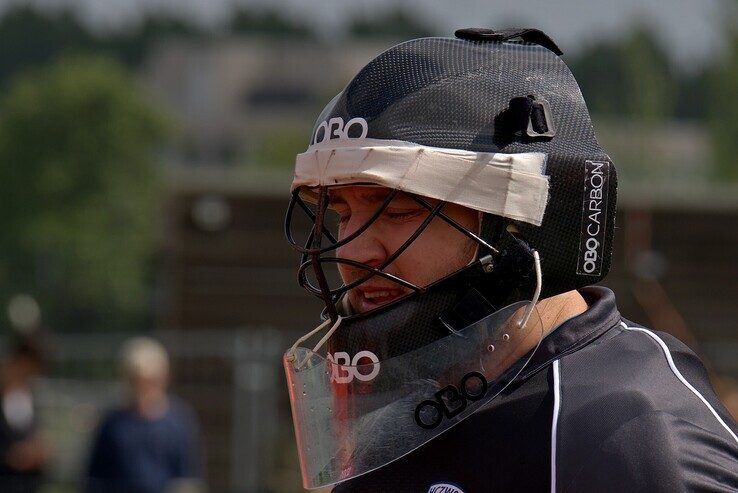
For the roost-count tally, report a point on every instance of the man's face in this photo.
(147, 390)
(439, 250)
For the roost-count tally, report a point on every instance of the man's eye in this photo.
(403, 215)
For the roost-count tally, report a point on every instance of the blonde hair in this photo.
(144, 357)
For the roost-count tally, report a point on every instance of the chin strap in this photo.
(292, 351)
(537, 293)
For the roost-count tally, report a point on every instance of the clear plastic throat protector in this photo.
(355, 413)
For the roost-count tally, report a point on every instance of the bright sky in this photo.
(692, 29)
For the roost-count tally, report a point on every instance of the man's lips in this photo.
(370, 298)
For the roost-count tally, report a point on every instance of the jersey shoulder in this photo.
(636, 405)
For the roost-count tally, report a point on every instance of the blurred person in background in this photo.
(150, 445)
(23, 454)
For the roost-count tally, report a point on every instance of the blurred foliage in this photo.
(51, 34)
(268, 23)
(133, 46)
(649, 80)
(396, 23)
(278, 148)
(78, 144)
(59, 33)
(631, 78)
(723, 116)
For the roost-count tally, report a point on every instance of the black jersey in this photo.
(604, 405)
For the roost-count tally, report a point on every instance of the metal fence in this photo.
(232, 379)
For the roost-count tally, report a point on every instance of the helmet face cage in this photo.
(313, 251)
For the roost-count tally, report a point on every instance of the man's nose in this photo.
(366, 248)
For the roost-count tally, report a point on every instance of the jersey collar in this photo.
(602, 315)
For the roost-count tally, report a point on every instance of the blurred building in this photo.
(230, 92)
(229, 301)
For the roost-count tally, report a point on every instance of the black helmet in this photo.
(502, 92)
(491, 120)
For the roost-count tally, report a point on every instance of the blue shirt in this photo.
(135, 454)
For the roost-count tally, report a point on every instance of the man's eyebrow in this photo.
(378, 195)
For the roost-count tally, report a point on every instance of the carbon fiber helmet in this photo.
(499, 92)
(493, 121)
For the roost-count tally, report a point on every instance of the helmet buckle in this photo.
(534, 117)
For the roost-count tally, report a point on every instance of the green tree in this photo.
(599, 72)
(268, 24)
(78, 145)
(649, 81)
(631, 77)
(29, 38)
(723, 111)
(396, 23)
(133, 46)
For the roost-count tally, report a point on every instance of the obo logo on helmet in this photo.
(451, 400)
(594, 218)
(344, 368)
(355, 128)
